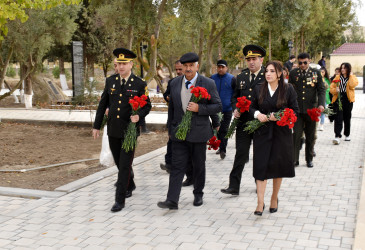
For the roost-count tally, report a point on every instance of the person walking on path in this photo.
(322, 62)
(289, 64)
(346, 91)
(166, 96)
(226, 84)
(119, 89)
(194, 146)
(272, 144)
(311, 92)
(326, 83)
(246, 81)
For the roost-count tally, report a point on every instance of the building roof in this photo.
(350, 48)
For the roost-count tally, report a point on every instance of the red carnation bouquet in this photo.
(315, 113)
(183, 128)
(243, 105)
(130, 136)
(284, 117)
(213, 143)
(337, 82)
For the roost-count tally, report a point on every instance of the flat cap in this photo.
(222, 63)
(252, 50)
(124, 55)
(189, 57)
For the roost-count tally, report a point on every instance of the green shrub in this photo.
(10, 72)
(56, 73)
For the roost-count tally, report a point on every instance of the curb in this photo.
(75, 185)
(359, 242)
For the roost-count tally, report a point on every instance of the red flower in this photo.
(243, 104)
(314, 114)
(200, 92)
(336, 81)
(213, 143)
(287, 118)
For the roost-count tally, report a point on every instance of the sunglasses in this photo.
(305, 63)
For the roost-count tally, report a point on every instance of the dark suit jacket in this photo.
(201, 128)
(310, 94)
(245, 88)
(116, 98)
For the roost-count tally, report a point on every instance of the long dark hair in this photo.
(347, 67)
(278, 66)
(325, 72)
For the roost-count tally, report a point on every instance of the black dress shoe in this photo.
(274, 210)
(187, 182)
(230, 191)
(296, 163)
(117, 207)
(167, 204)
(198, 201)
(222, 154)
(309, 164)
(166, 167)
(259, 213)
(128, 194)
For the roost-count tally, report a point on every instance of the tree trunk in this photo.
(90, 66)
(302, 47)
(131, 25)
(269, 44)
(154, 39)
(5, 67)
(28, 85)
(219, 49)
(62, 66)
(201, 45)
(166, 64)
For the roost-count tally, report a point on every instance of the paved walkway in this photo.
(317, 208)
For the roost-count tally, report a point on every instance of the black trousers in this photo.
(168, 160)
(168, 155)
(183, 153)
(124, 161)
(343, 117)
(304, 123)
(243, 144)
(227, 116)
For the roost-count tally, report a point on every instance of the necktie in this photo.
(187, 84)
(123, 81)
(252, 78)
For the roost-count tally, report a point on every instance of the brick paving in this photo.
(317, 208)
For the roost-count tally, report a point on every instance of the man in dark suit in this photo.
(119, 89)
(194, 146)
(246, 81)
(166, 96)
(311, 92)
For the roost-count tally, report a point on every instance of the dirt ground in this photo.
(25, 146)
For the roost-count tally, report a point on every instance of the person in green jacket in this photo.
(326, 83)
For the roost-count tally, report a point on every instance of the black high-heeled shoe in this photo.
(259, 213)
(274, 210)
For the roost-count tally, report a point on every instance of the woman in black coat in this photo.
(272, 144)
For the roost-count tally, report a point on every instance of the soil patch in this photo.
(25, 146)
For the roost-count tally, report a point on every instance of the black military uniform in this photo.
(244, 87)
(310, 94)
(116, 95)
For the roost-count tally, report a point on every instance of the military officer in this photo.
(311, 92)
(119, 88)
(246, 81)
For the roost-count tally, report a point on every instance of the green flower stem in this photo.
(232, 128)
(130, 136)
(184, 127)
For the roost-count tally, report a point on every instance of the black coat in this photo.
(201, 128)
(116, 98)
(273, 144)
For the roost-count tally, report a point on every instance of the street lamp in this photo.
(290, 46)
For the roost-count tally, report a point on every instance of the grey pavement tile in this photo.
(317, 208)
